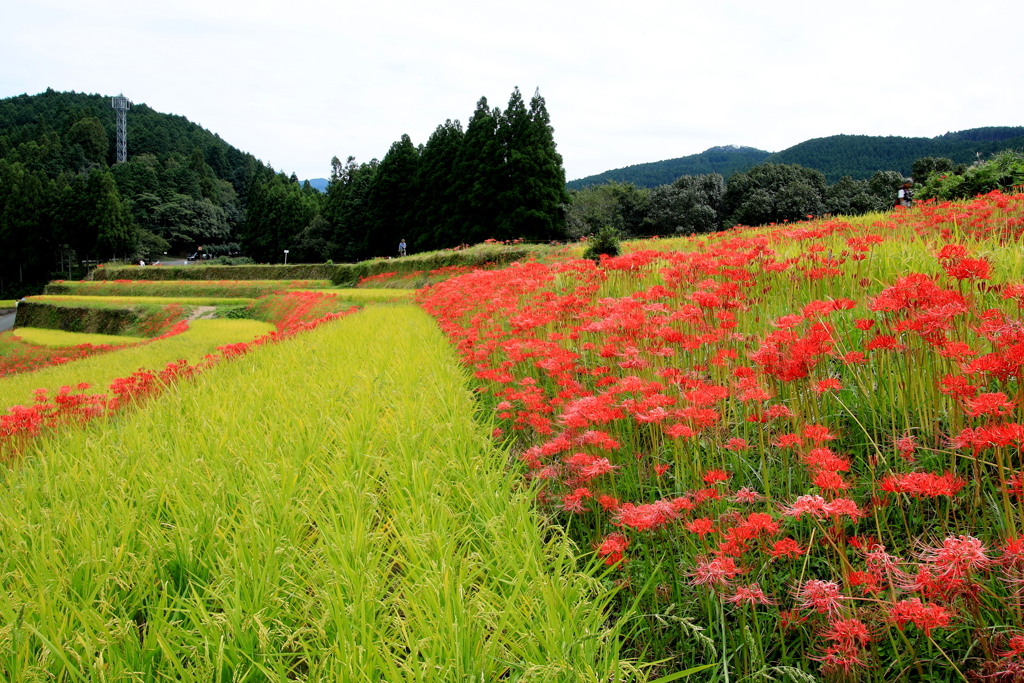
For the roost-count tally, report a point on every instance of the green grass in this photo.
(131, 301)
(202, 337)
(60, 338)
(178, 288)
(360, 296)
(8, 303)
(227, 533)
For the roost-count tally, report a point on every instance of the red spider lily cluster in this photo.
(32, 357)
(73, 406)
(780, 422)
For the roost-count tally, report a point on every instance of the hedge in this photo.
(340, 274)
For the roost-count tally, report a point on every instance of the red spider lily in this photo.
(747, 496)
(818, 433)
(824, 597)
(715, 476)
(814, 506)
(923, 484)
(645, 517)
(827, 385)
(925, 616)
(736, 445)
(1016, 645)
(749, 595)
(574, 502)
(957, 557)
(715, 571)
(612, 548)
(848, 634)
(905, 447)
(969, 269)
(701, 526)
(839, 660)
(996, 403)
(786, 547)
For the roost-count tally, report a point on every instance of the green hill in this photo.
(40, 131)
(723, 160)
(858, 156)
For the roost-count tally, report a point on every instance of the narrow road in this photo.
(6, 322)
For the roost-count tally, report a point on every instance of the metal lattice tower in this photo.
(120, 105)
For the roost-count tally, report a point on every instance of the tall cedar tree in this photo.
(278, 212)
(392, 199)
(479, 167)
(436, 206)
(345, 207)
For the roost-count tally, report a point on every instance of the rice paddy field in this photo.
(62, 339)
(788, 453)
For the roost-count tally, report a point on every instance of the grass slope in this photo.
(229, 533)
(202, 337)
(60, 338)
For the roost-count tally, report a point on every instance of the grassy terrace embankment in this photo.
(226, 531)
(202, 337)
(418, 268)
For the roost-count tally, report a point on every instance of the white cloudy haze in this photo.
(625, 83)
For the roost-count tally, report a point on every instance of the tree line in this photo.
(501, 177)
(775, 193)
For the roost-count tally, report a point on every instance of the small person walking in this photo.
(401, 247)
(903, 196)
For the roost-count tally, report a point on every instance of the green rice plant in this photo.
(226, 532)
(60, 338)
(202, 337)
(360, 296)
(8, 303)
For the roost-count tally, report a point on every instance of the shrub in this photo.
(605, 241)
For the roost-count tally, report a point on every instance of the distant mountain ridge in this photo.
(857, 156)
(725, 160)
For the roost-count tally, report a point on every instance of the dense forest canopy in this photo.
(857, 156)
(65, 203)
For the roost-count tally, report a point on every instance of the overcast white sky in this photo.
(296, 83)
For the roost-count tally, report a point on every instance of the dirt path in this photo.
(201, 313)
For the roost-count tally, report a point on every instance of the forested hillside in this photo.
(63, 201)
(857, 156)
(721, 160)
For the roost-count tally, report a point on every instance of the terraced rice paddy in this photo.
(202, 337)
(62, 339)
(227, 532)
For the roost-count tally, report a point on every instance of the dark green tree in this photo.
(391, 201)
(691, 204)
(434, 225)
(479, 166)
(345, 208)
(773, 193)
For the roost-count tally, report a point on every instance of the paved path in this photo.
(6, 322)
